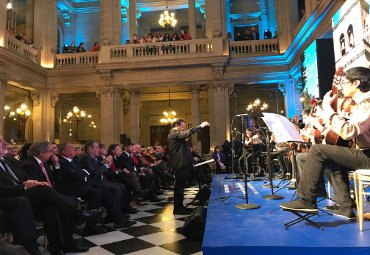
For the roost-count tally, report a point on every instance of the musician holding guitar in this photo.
(355, 85)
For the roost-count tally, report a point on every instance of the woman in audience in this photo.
(167, 37)
(175, 37)
(219, 158)
(184, 35)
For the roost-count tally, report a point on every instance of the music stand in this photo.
(247, 205)
(284, 131)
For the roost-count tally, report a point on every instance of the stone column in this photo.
(134, 116)
(39, 115)
(2, 104)
(110, 22)
(215, 18)
(195, 113)
(229, 25)
(132, 17)
(110, 112)
(54, 98)
(284, 26)
(218, 103)
(3, 22)
(192, 20)
(29, 19)
(45, 30)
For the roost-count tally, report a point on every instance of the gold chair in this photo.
(361, 182)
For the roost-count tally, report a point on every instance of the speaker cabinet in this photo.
(195, 224)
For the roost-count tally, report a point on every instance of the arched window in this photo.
(351, 37)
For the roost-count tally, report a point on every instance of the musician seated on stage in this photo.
(355, 84)
(252, 150)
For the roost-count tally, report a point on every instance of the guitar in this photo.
(332, 137)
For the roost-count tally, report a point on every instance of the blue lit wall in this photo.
(310, 72)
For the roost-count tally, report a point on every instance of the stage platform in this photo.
(261, 232)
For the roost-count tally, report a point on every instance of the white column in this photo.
(215, 18)
(284, 25)
(2, 104)
(45, 30)
(195, 113)
(110, 112)
(132, 17)
(54, 98)
(3, 20)
(134, 116)
(29, 19)
(41, 117)
(192, 20)
(218, 103)
(110, 22)
(292, 104)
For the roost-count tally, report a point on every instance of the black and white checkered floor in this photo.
(157, 231)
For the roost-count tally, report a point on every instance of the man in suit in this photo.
(47, 204)
(111, 192)
(73, 182)
(19, 218)
(125, 161)
(181, 160)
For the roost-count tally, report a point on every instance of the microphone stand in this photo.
(245, 206)
(272, 196)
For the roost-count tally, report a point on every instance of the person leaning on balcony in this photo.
(175, 37)
(167, 37)
(184, 35)
(255, 34)
(135, 39)
(81, 47)
(96, 47)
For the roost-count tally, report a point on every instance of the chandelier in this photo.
(75, 117)
(169, 116)
(167, 20)
(256, 106)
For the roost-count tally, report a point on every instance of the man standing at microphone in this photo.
(181, 160)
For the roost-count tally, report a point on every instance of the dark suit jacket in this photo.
(34, 171)
(124, 161)
(7, 186)
(72, 179)
(178, 147)
(94, 168)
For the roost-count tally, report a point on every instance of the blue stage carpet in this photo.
(233, 231)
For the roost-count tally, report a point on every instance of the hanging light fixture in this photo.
(169, 116)
(167, 20)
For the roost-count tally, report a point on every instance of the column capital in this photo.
(35, 95)
(54, 98)
(134, 92)
(195, 89)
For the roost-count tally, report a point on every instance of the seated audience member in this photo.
(110, 192)
(355, 85)
(72, 48)
(73, 182)
(135, 39)
(23, 152)
(52, 208)
(219, 158)
(19, 218)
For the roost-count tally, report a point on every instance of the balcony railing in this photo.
(118, 53)
(83, 58)
(23, 49)
(241, 48)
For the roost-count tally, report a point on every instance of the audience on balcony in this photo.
(96, 47)
(184, 35)
(21, 37)
(81, 47)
